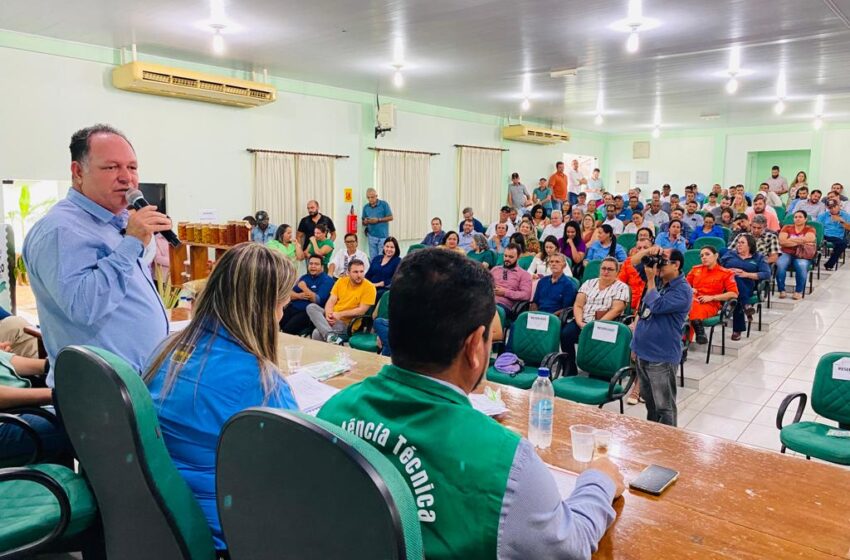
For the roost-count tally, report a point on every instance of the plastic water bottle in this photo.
(541, 410)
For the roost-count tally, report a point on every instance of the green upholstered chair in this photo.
(591, 270)
(757, 300)
(814, 264)
(293, 486)
(780, 213)
(14, 417)
(721, 320)
(692, 259)
(146, 508)
(627, 240)
(415, 247)
(727, 234)
(500, 259)
(45, 508)
(525, 262)
(362, 336)
(831, 400)
(715, 242)
(534, 347)
(607, 365)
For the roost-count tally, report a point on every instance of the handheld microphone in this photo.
(136, 199)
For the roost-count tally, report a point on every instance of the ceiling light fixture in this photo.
(634, 23)
(398, 63)
(781, 92)
(525, 105)
(598, 120)
(734, 68)
(526, 92)
(656, 132)
(779, 107)
(398, 77)
(599, 109)
(218, 38)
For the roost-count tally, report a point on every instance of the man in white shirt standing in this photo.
(595, 186)
(777, 183)
(575, 180)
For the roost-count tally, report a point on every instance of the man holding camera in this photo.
(657, 342)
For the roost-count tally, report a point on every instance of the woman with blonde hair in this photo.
(223, 362)
(800, 181)
(588, 229)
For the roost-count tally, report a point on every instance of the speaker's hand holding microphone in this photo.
(146, 220)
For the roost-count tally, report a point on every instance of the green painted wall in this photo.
(790, 162)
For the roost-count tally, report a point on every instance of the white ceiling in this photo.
(472, 54)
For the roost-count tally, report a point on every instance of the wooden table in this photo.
(730, 501)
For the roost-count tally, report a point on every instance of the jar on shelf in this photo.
(190, 233)
(205, 234)
(181, 231)
(222, 234)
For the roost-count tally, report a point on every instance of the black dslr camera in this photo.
(652, 261)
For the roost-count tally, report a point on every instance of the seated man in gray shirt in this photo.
(513, 510)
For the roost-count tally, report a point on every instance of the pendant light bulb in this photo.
(731, 86)
(656, 132)
(779, 108)
(598, 120)
(218, 42)
(526, 104)
(818, 123)
(398, 78)
(633, 43)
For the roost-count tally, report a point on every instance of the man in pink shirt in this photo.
(513, 284)
(760, 207)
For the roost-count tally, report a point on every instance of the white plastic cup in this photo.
(293, 357)
(582, 442)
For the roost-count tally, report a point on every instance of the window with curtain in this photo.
(479, 182)
(283, 183)
(402, 180)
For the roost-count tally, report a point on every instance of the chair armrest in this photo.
(33, 331)
(365, 324)
(35, 411)
(557, 364)
(780, 414)
(14, 420)
(565, 315)
(38, 477)
(36, 333)
(617, 377)
(727, 309)
(518, 308)
(628, 319)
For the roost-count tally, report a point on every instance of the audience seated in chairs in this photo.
(555, 291)
(555, 227)
(638, 222)
(435, 236)
(602, 298)
(481, 252)
(760, 208)
(512, 284)
(500, 239)
(13, 330)
(319, 244)
(338, 266)
(467, 235)
(504, 219)
(836, 224)
(767, 242)
(380, 272)
(749, 267)
(313, 287)
(468, 214)
(605, 245)
(351, 297)
(673, 238)
(712, 285)
(451, 242)
(797, 242)
(709, 229)
(232, 345)
(572, 246)
(540, 265)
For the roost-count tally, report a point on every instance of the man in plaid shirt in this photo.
(767, 242)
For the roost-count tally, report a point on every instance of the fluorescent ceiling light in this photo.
(526, 104)
(398, 52)
(819, 105)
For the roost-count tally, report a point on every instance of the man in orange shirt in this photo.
(558, 184)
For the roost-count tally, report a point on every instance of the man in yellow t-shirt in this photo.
(351, 297)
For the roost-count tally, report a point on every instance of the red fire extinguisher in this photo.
(351, 221)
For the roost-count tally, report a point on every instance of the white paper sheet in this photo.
(488, 406)
(309, 393)
(538, 322)
(841, 369)
(177, 326)
(604, 332)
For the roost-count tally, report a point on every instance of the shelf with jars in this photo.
(201, 245)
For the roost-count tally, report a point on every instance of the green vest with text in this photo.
(455, 459)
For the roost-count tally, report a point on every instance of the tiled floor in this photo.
(739, 401)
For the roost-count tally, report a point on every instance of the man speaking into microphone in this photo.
(84, 258)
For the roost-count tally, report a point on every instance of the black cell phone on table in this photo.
(654, 480)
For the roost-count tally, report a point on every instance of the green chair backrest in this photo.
(599, 358)
(591, 270)
(532, 344)
(415, 247)
(727, 234)
(293, 486)
(691, 259)
(715, 242)
(576, 282)
(146, 507)
(525, 262)
(818, 231)
(627, 240)
(780, 212)
(384, 306)
(500, 259)
(831, 396)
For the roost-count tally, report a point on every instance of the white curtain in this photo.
(479, 182)
(402, 180)
(274, 186)
(314, 177)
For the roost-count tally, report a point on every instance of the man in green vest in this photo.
(480, 489)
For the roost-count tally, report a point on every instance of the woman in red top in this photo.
(797, 242)
(712, 285)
